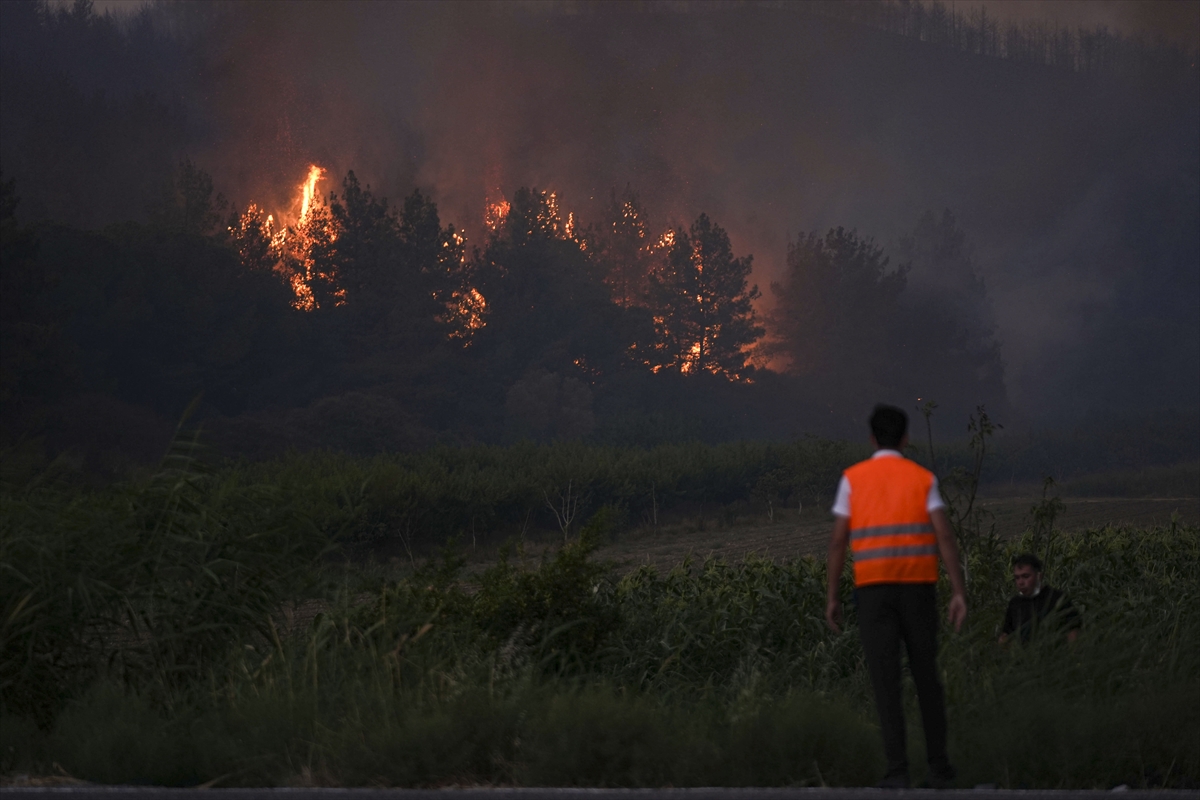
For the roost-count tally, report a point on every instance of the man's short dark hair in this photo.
(888, 424)
(1027, 560)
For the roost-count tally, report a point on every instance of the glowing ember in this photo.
(494, 214)
(688, 362)
(467, 311)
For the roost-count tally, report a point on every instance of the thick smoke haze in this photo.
(1173, 20)
(1079, 194)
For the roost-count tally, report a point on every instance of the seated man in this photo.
(1036, 604)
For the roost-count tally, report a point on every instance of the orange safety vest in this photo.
(891, 534)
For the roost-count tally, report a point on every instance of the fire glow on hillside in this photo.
(639, 269)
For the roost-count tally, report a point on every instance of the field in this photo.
(659, 623)
(792, 534)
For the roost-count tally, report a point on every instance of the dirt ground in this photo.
(793, 534)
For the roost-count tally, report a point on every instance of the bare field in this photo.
(793, 534)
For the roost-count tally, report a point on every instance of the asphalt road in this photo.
(153, 793)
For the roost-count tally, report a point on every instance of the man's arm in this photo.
(834, 562)
(948, 548)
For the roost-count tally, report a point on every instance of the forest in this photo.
(377, 320)
(336, 311)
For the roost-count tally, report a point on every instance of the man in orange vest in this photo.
(890, 512)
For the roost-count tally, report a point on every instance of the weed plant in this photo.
(146, 638)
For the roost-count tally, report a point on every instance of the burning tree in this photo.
(262, 242)
(622, 243)
(702, 304)
(546, 302)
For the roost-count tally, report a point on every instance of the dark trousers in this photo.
(888, 614)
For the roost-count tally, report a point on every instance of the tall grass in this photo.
(149, 582)
(146, 638)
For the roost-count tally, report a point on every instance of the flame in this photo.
(552, 218)
(305, 299)
(468, 310)
(308, 191)
(548, 219)
(553, 221)
(696, 342)
(494, 214)
(288, 246)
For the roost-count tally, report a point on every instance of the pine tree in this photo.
(622, 244)
(702, 304)
(834, 310)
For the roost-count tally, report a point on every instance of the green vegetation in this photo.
(186, 628)
(424, 498)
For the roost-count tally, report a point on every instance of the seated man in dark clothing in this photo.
(1036, 604)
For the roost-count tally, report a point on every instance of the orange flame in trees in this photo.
(495, 213)
(287, 249)
(308, 191)
(467, 311)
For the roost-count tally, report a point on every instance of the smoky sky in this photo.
(1174, 20)
(1080, 195)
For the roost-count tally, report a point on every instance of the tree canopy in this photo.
(362, 311)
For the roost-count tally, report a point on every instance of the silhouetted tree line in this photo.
(539, 331)
(92, 108)
(1087, 50)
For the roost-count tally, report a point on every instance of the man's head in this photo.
(1027, 572)
(889, 427)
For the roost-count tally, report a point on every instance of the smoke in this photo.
(769, 119)
(1173, 20)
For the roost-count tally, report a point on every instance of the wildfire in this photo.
(308, 191)
(688, 362)
(286, 249)
(552, 220)
(494, 214)
(548, 218)
(468, 311)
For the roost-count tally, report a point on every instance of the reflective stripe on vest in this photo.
(891, 534)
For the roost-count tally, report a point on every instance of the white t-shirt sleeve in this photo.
(841, 503)
(934, 502)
